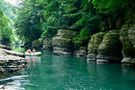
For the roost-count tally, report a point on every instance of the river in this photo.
(52, 72)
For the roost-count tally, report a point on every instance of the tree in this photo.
(5, 24)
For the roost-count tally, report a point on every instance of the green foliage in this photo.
(83, 37)
(28, 23)
(42, 18)
(5, 25)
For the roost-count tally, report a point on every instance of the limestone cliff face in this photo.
(127, 37)
(110, 48)
(62, 43)
(47, 43)
(93, 44)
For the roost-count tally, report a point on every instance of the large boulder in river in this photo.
(110, 48)
(62, 42)
(93, 44)
(127, 37)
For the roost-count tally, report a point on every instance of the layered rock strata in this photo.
(127, 37)
(93, 45)
(11, 61)
(110, 48)
(62, 43)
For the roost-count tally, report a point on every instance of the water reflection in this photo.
(51, 72)
(13, 83)
(33, 59)
(19, 79)
(105, 76)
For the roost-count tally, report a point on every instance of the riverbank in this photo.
(104, 47)
(11, 61)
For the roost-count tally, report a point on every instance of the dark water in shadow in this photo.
(51, 72)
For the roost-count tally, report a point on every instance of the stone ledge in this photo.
(91, 57)
(128, 60)
(106, 58)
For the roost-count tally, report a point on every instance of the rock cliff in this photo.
(62, 43)
(127, 37)
(110, 48)
(93, 45)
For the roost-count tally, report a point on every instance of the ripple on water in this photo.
(13, 83)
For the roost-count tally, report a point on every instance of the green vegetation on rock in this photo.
(128, 49)
(94, 42)
(40, 19)
(111, 44)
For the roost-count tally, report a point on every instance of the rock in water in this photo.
(127, 37)
(93, 45)
(62, 43)
(82, 52)
(110, 48)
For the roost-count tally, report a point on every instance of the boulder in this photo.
(110, 48)
(93, 44)
(62, 42)
(127, 37)
(82, 52)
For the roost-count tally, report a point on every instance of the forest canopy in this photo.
(38, 19)
(6, 22)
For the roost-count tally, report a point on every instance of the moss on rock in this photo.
(62, 42)
(128, 49)
(111, 44)
(66, 33)
(94, 42)
(127, 37)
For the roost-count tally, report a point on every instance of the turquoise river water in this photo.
(52, 72)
